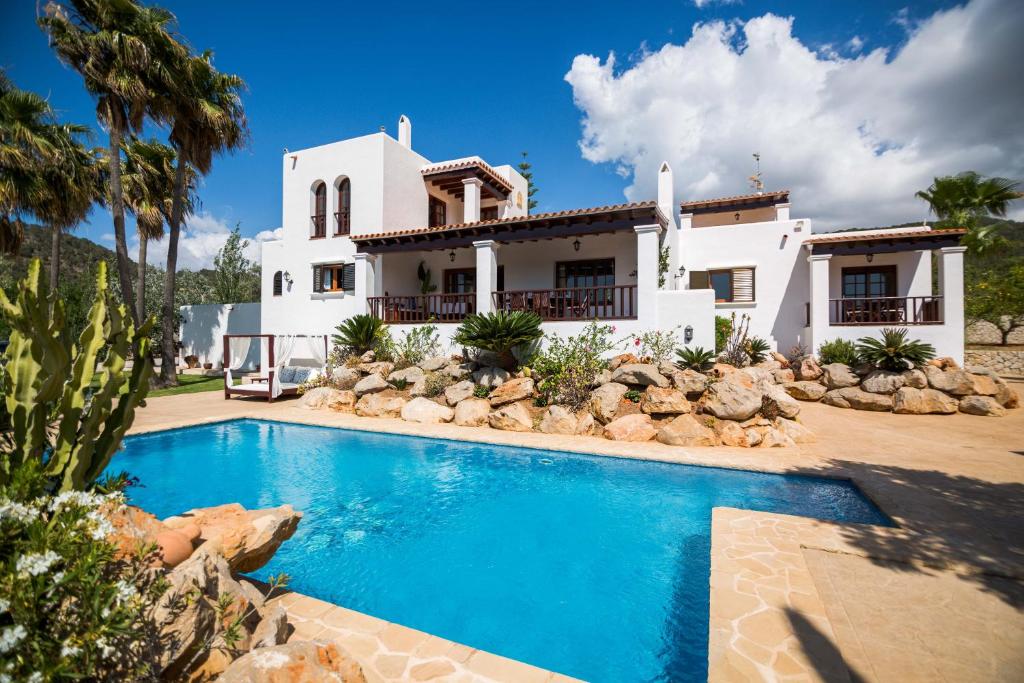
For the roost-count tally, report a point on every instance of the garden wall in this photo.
(1006, 362)
(203, 327)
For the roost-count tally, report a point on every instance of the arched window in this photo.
(320, 211)
(277, 283)
(343, 215)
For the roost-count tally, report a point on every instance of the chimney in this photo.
(665, 189)
(405, 131)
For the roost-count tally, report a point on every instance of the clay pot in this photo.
(190, 531)
(175, 547)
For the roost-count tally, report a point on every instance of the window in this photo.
(278, 283)
(733, 285)
(488, 213)
(594, 273)
(339, 277)
(320, 211)
(459, 280)
(438, 212)
(343, 216)
(869, 282)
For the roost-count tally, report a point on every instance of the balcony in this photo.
(422, 308)
(319, 226)
(612, 302)
(342, 222)
(886, 310)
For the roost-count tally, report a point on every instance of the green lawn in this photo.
(190, 384)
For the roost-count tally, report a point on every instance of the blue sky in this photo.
(474, 78)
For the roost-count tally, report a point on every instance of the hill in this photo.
(79, 256)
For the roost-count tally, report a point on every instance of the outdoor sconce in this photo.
(576, 244)
(287, 277)
(736, 215)
(688, 334)
(451, 256)
(869, 257)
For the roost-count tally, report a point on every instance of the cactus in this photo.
(47, 381)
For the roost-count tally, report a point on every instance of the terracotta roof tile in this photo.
(701, 203)
(468, 162)
(860, 236)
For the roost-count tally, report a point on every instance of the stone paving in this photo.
(793, 598)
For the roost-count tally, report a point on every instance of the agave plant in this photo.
(500, 333)
(697, 358)
(893, 351)
(757, 350)
(359, 334)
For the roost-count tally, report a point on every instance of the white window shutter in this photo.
(743, 284)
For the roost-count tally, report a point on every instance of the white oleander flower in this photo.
(19, 512)
(125, 591)
(70, 650)
(11, 636)
(36, 677)
(35, 564)
(4, 605)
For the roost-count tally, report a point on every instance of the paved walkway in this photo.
(854, 602)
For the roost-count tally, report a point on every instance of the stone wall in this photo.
(986, 333)
(1005, 362)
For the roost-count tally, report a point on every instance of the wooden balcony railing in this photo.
(319, 225)
(421, 308)
(886, 310)
(343, 222)
(613, 302)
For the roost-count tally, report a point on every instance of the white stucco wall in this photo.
(913, 271)
(203, 328)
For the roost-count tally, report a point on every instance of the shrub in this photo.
(434, 383)
(735, 352)
(400, 383)
(893, 351)
(656, 345)
(757, 350)
(500, 332)
(633, 395)
(796, 353)
(723, 328)
(480, 391)
(565, 369)
(417, 344)
(362, 333)
(697, 358)
(337, 358)
(837, 351)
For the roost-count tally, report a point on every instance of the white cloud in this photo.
(853, 138)
(855, 44)
(701, 4)
(202, 237)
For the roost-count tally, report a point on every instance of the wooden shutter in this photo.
(318, 279)
(348, 277)
(699, 279)
(743, 284)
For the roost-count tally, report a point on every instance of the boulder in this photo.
(425, 411)
(635, 427)
(944, 363)
(512, 417)
(320, 397)
(409, 375)
(853, 397)
(458, 392)
(808, 370)
(685, 430)
(882, 382)
(459, 371)
(730, 401)
(775, 438)
(915, 379)
(804, 391)
(1007, 396)
(418, 389)
(604, 400)
(272, 629)
(911, 401)
(184, 615)
(753, 437)
(738, 378)
(472, 412)
(559, 420)
(586, 424)
(838, 376)
(302, 661)
(643, 374)
(602, 377)
(771, 365)
(690, 382)
(952, 380)
(512, 391)
(658, 401)
(730, 433)
(758, 375)
(375, 405)
(983, 385)
(382, 368)
(371, 384)
(368, 357)
(795, 431)
(787, 405)
(345, 377)
(434, 363)
(783, 375)
(622, 359)
(491, 377)
(981, 405)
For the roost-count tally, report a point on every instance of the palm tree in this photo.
(964, 199)
(206, 119)
(126, 54)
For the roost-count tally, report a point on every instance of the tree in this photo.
(964, 200)
(996, 296)
(236, 279)
(531, 189)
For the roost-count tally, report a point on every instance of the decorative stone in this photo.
(319, 397)
(1007, 396)
(368, 357)
(838, 376)
(952, 380)
(635, 427)
(511, 391)
(345, 378)
(804, 391)
(753, 437)
(981, 405)
(472, 412)
(371, 384)
(409, 375)
(558, 420)
(586, 424)
(425, 411)
(491, 377)
(882, 382)
(730, 433)
(459, 371)
(783, 375)
(658, 401)
(300, 660)
(375, 405)
(911, 401)
(808, 370)
(343, 402)
(770, 365)
(418, 389)
(185, 624)
(787, 405)
(758, 375)
(983, 385)
(944, 363)
(643, 374)
(690, 382)
(685, 430)
(729, 401)
(915, 379)
(775, 438)
(795, 431)
(603, 377)
(434, 363)
(458, 392)
(853, 397)
(512, 417)
(382, 368)
(604, 400)
(272, 629)
(622, 359)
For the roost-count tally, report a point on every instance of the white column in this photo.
(685, 221)
(819, 303)
(647, 245)
(486, 274)
(471, 203)
(782, 212)
(365, 281)
(951, 275)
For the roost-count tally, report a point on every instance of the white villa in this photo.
(365, 219)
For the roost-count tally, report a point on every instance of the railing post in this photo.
(486, 274)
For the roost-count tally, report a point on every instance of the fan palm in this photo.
(893, 352)
(359, 334)
(499, 332)
(962, 200)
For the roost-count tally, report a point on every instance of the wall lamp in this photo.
(451, 256)
(287, 277)
(576, 244)
(869, 257)
(688, 334)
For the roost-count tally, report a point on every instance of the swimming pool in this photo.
(594, 567)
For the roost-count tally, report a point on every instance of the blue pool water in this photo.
(594, 567)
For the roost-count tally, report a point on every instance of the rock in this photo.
(175, 547)
(458, 392)
(787, 405)
(643, 374)
(184, 614)
(604, 400)
(255, 597)
(783, 375)
(134, 527)
(343, 402)
(981, 405)
(425, 411)
(757, 375)
(559, 420)
(741, 379)
(944, 363)
(795, 431)
(302, 661)
(472, 412)
(247, 539)
(804, 391)
(775, 438)
(911, 401)
(658, 401)
(320, 397)
(882, 382)
(721, 370)
(636, 427)
(780, 359)
(410, 375)
(512, 391)
(512, 417)
(459, 371)
(375, 405)
(272, 629)
(853, 397)
(382, 368)
(756, 421)
(753, 437)
(952, 380)
(808, 370)
(622, 359)
(729, 401)
(838, 376)
(491, 377)
(371, 384)
(368, 357)
(603, 377)
(983, 385)
(586, 424)
(1006, 396)
(433, 364)
(770, 365)
(345, 378)
(685, 430)
(730, 433)
(418, 389)
(690, 382)
(915, 379)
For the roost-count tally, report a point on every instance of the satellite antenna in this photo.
(755, 180)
